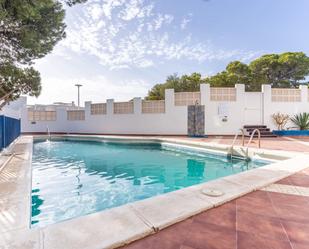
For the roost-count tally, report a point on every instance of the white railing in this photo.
(230, 153)
(250, 140)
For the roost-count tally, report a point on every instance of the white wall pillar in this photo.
(24, 114)
(110, 106)
(169, 100)
(304, 94)
(241, 103)
(87, 109)
(61, 119)
(205, 94)
(137, 105)
(266, 102)
(240, 92)
(205, 100)
(266, 90)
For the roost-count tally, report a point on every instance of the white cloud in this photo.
(159, 21)
(185, 21)
(131, 34)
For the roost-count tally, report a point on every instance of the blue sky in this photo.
(120, 48)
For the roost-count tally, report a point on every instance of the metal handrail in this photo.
(235, 138)
(251, 138)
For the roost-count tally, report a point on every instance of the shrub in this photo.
(280, 120)
(301, 120)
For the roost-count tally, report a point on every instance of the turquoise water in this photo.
(74, 178)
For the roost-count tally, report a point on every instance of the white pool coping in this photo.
(121, 225)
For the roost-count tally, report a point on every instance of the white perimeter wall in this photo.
(221, 117)
(15, 109)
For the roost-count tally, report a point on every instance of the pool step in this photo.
(264, 130)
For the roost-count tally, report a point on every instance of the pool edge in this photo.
(147, 216)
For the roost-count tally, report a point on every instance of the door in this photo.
(196, 120)
(253, 109)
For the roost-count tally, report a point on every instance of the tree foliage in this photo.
(28, 30)
(16, 81)
(180, 84)
(73, 2)
(279, 70)
(38, 27)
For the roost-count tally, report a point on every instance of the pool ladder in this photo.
(231, 149)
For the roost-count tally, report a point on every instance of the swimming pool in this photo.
(75, 178)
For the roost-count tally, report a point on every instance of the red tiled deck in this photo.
(297, 144)
(259, 220)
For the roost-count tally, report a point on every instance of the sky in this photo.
(119, 49)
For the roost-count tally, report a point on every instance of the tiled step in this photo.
(262, 132)
(265, 132)
(254, 126)
(266, 135)
(261, 129)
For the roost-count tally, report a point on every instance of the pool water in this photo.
(75, 178)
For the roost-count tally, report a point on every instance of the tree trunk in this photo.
(6, 95)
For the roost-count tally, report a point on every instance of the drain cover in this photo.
(212, 192)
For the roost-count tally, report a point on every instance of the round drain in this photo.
(212, 192)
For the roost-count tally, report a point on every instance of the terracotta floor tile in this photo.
(298, 213)
(177, 233)
(224, 215)
(279, 199)
(249, 241)
(285, 181)
(306, 171)
(300, 246)
(300, 179)
(258, 196)
(211, 236)
(259, 220)
(154, 242)
(297, 232)
(261, 226)
(256, 206)
(186, 247)
(303, 173)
